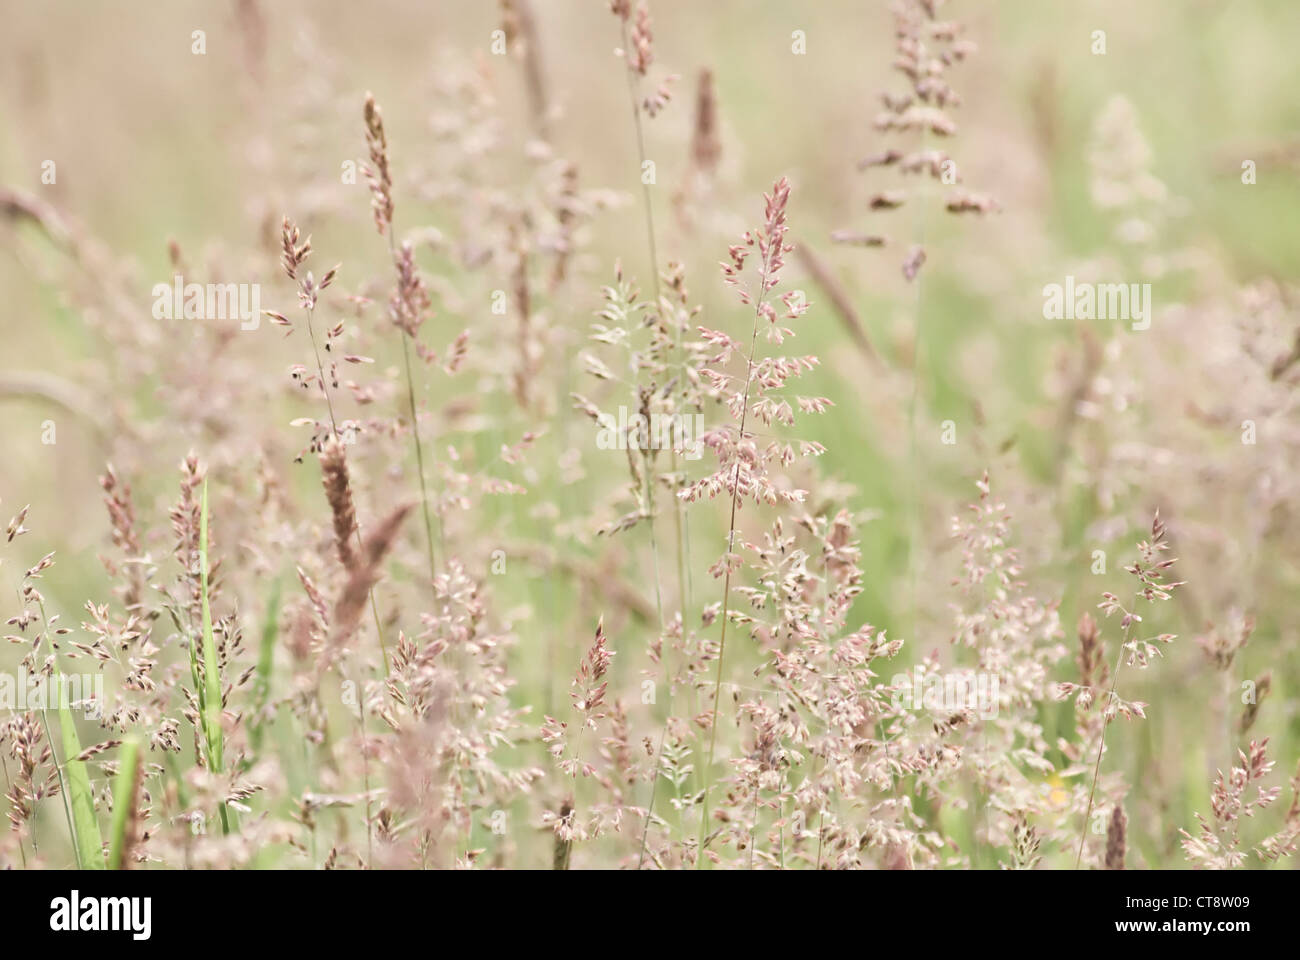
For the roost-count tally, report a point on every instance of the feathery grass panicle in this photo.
(706, 142)
(742, 463)
(925, 49)
(565, 743)
(408, 305)
(1115, 839)
(523, 39)
(365, 572)
(338, 493)
(1133, 652)
(1218, 844)
(376, 171)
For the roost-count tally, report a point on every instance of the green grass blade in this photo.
(90, 846)
(265, 660)
(124, 799)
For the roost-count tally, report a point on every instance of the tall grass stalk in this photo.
(680, 521)
(210, 698)
(265, 664)
(415, 439)
(726, 588)
(334, 428)
(411, 299)
(124, 800)
(1101, 741)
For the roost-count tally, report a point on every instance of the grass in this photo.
(761, 691)
(85, 825)
(210, 699)
(125, 798)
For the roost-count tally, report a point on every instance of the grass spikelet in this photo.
(364, 574)
(338, 492)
